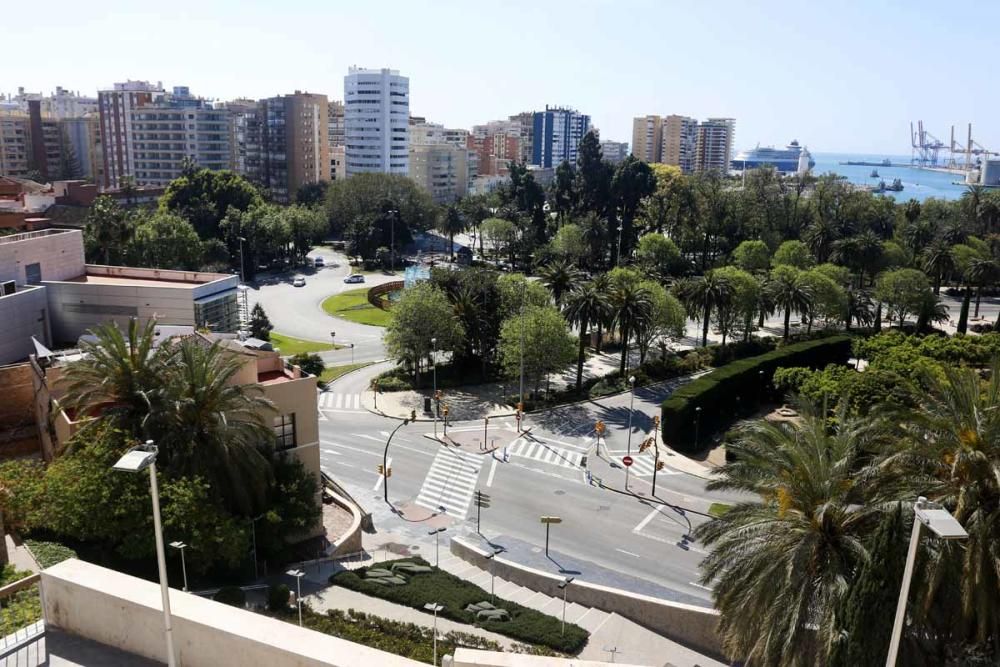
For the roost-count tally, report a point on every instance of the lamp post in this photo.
(180, 546)
(242, 279)
(136, 460)
(392, 237)
(437, 535)
(564, 585)
(631, 410)
(434, 372)
(486, 425)
(697, 425)
(946, 527)
(435, 607)
(621, 226)
(253, 533)
(298, 574)
(524, 285)
(385, 454)
(492, 558)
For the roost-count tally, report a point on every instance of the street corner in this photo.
(476, 439)
(414, 513)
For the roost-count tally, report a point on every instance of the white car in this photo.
(299, 281)
(354, 278)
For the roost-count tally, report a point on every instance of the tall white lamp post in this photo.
(180, 546)
(434, 607)
(298, 574)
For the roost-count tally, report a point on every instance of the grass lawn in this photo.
(524, 625)
(290, 346)
(333, 372)
(353, 305)
(718, 509)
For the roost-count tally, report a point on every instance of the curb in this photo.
(371, 363)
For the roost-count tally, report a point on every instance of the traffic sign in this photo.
(627, 460)
(551, 519)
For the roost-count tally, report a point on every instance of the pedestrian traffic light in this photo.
(381, 469)
(438, 395)
(376, 384)
(413, 415)
(520, 407)
(659, 465)
(644, 445)
(656, 421)
(599, 427)
(444, 410)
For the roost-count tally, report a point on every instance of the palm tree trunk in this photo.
(937, 283)
(704, 328)
(788, 320)
(878, 318)
(579, 359)
(451, 246)
(979, 294)
(624, 358)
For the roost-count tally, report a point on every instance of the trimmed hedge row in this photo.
(734, 390)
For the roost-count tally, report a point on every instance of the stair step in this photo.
(574, 611)
(591, 620)
(538, 601)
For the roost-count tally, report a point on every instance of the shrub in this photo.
(231, 595)
(49, 553)
(727, 393)
(309, 362)
(455, 594)
(277, 597)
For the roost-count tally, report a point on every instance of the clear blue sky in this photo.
(839, 76)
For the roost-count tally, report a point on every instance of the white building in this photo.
(376, 121)
(614, 151)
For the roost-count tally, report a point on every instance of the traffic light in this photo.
(659, 465)
(438, 395)
(444, 410)
(381, 469)
(520, 407)
(644, 445)
(376, 384)
(656, 421)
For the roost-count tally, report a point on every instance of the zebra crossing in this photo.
(337, 402)
(545, 453)
(450, 482)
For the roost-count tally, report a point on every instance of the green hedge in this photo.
(734, 390)
(527, 625)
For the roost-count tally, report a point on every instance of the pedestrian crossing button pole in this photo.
(599, 429)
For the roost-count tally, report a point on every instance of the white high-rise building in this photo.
(376, 121)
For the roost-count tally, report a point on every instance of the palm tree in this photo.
(930, 312)
(948, 450)
(938, 261)
(119, 376)
(586, 305)
(602, 283)
(780, 564)
(631, 307)
(704, 294)
(860, 308)
(449, 224)
(560, 277)
(214, 427)
(982, 272)
(789, 292)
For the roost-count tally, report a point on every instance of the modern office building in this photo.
(376, 121)
(714, 146)
(647, 138)
(294, 143)
(556, 135)
(116, 108)
(614, 151)
(680, 137)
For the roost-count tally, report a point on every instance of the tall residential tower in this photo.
(376, 121)
(557, 135)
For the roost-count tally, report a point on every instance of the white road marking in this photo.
(493, 469)
(629, 553)
(378, 482)
(649, 517)
(695, 583)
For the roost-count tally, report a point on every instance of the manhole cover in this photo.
(536, 550)
(414, 547)
(604, 508)
(559, 492)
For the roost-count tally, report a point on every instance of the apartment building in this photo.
(614, 151)
(526, 119)
(496, 144)
(440, 160)
(60, 104)
(376, 121)
(557, 135)
(244, 137)
(294, 143)
(116, 107)
(680, 137)
(647, 138)
(82, 137)
(714, 146)
(15, 144)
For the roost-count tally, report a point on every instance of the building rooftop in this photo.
(137, 277)
(120, 280)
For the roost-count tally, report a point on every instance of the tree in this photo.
(586, 306)
(631, 308)
(501, 235)
(423, 312)
(559, 278)
(632, 182)
(666, 320)
(166, 241)
(548, 346)
(449, 224)
(902, 290)
(311, 194)
(702, 296)
(938, 261)
(778, 563)
(752, 256)
(570, 244)
(108, 230)
(593, 177)
(829, 298)
(69, 161)
(736, 313)
(203, 197)
(306, 227)
(790, 292)
(309, 362)
(793, 253)
(517, 292)
(659, 255)
(260, 323)
(563, 192)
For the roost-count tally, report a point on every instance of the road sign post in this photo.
(548, 521)
(445, 412)
(482, 500)
(599, 428)
(628, 461)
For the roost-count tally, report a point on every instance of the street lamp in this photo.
(298, 574)
(333, 338)
(946, 527)
(492, 558)
(434, 371)
(253, 533)
(385, 454)
(435, 607)
(181, 546)
(697, 425)
(392, 238)
(564, 585)
(437, 535)
(631, 409)
(621, 226)
(242, 279)
(136, 460)
(524, 286)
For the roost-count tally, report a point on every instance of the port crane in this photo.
(970, 149)
(925, 146)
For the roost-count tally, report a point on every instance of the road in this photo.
(432, 485)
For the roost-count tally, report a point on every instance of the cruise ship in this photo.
(786, 160)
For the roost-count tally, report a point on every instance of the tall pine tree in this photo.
(260, 324)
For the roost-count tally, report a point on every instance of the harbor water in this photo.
(918, 184)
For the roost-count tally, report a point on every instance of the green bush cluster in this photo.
(733, 390)
(48, 554)
(898, 348)
(527, 625)
(231, 595)
(277, 597)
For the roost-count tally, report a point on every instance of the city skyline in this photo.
(837, 79)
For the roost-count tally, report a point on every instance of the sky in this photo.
(840, 76)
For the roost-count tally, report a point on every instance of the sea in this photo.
(918, 184)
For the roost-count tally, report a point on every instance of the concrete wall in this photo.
(122, 611)
(60, 254)
(466, 657)
(23, 314)
(695, 627)
(18, 432)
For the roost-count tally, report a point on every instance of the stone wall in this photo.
(18, 432)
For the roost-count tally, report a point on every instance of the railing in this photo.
(23, 647)
(375, 294)
(24, 236)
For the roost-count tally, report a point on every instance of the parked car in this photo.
(299, 281)
(319, 262)
(354, 278)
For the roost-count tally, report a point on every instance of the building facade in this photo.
(440, 160)
(496, 144)
(376, 122)
(116, 107)
(714, 146)
(526, 119)
(680, 137)
(614, 151)
(556, 136)
(647, 138)
(294, 144)
(15, 144)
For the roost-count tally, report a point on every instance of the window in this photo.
(284, 431)
(33, 273)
